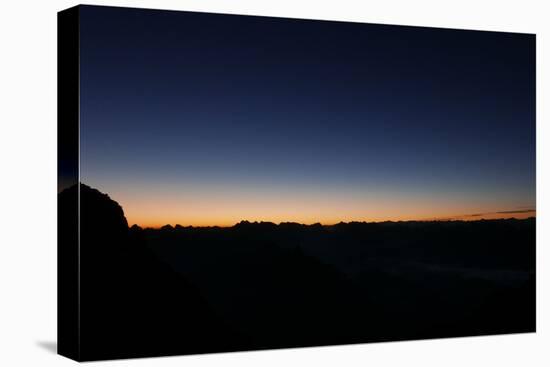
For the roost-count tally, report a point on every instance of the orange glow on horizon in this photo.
(222, 223)
(324, 220)
(207, 206)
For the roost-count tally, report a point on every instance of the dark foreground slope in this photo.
(132, 304)
(260, 285)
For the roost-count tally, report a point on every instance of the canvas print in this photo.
(234, 183)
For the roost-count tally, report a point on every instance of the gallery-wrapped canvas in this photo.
(233, 183)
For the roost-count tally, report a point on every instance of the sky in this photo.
(205, 119)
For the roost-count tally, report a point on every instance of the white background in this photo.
(28, 183)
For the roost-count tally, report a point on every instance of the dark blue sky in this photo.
(182, 111)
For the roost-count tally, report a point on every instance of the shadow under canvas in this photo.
(50, 346)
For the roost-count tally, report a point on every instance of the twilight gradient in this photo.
(203, 119)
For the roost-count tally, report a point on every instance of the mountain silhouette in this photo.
(259, 285)
(131, 303)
